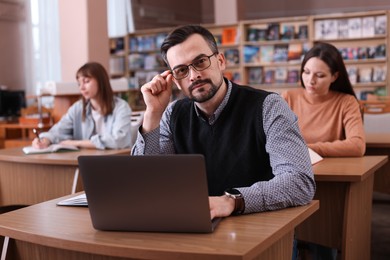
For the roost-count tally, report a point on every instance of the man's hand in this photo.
(156, 94)
(221, 206)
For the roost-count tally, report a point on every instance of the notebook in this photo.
(156, 193)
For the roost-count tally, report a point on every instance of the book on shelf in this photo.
(251, 54)
(160, 37)
(287, 31)
(380, 51)
(117, 65)
(355, 27)
(365, 74)
(303, 32)
(256, 34)
(273, 32)
(295, 52)
(371, 50)
(144, 43)
(280, 75)
(352, 74)
(133, 44)
(368, 26)
(251, 34)
(269, 76)
(53, 148)
(255, 75)
(232, 57)
(342, 27)
(229, 35)
(330, 30)
(218, 39)
(380, 25)
(136, 61)
(292, 76)
(379, 74)
(267, 53)
(362, 53)
(280, 53)
(153, 61)
(117, 46)
(234, 76)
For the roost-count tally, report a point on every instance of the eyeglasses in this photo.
(200, 64)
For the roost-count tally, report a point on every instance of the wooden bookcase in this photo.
(267, 53)
(362, 39)
(272, 51)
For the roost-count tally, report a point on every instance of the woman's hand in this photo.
(41, 143)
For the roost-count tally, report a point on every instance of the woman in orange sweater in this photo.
(328, 111)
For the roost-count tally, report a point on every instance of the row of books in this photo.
(145, 61)
(146, 42)
(347, 28)
(274, 53)
(366, 52)
(281, 75)
(367, 74)
(277, 31)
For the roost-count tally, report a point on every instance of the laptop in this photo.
(156, 193)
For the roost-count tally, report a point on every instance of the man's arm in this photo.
(157, 141)
(293, 183)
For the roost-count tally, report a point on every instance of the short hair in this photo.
(105, 93)
(181, 33)
(332, 57)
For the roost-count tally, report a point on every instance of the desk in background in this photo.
(344, 189)
(34, 178)
(48, 231)
(379, 144)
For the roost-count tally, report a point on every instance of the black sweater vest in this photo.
(234, 147)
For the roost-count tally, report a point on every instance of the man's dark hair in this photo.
(180, 34)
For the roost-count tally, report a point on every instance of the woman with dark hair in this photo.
(99, 120)
(328, 111)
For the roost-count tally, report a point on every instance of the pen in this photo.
(36, 134)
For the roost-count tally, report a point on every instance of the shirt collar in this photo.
(218, 111)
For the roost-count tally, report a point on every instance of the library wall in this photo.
(13, 69)
(149, 14)
(255, 9)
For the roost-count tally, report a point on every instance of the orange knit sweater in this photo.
(331, 125)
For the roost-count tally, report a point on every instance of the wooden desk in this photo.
(34, 178)
(47, 231)
(344, 189)
(379, 144)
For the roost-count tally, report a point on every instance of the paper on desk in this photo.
(314, 157)
(79, 200)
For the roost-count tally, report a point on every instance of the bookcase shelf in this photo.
(267, 53)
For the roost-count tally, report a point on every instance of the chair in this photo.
(376, 115)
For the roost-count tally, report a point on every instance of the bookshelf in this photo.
(118, 53)
(228, 38)
(362, 40)
(272, 51)
(267, 53)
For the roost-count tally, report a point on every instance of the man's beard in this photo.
(204, 95)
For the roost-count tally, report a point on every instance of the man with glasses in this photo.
(256, 158)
